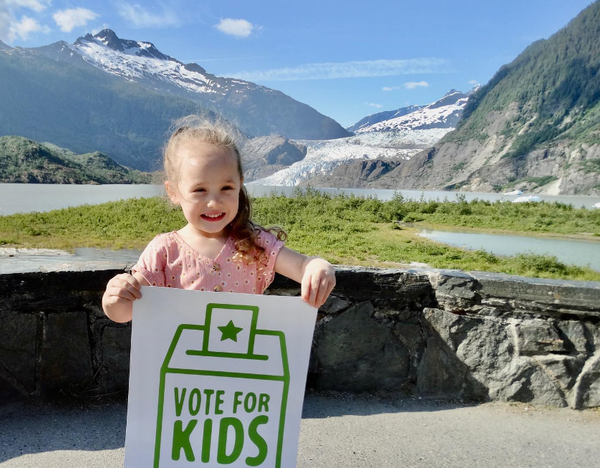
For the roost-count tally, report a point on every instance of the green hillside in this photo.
(555, 85)
(24, 160)
(534, 127)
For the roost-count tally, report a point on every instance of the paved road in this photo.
(337, 431)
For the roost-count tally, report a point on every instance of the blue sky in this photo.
(345, 59)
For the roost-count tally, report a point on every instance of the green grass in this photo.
(343, 229)
(540, 218)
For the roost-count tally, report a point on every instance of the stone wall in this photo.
(438, 333)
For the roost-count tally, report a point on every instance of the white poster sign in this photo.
(217, 379)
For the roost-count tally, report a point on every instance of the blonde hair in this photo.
(223, 135)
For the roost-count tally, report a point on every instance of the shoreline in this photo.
(591, 237)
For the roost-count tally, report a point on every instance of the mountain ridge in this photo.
(83, 109)
(443, 113)
(380, 116)
(254, 108)
(52, 93)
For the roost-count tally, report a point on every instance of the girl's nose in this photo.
(213, 201)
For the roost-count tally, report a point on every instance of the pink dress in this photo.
(168, 261)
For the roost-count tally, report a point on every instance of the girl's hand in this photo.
(122, 288)
(121, 291)
(318, 280)
(315, 275)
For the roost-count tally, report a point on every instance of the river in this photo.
(570, 251)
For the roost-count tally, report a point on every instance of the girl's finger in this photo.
(134, 282)
(305, 289)
(132, 285)
(314, 289)
(323, 292)
(122, 294)
(112, 299)
(121, 287)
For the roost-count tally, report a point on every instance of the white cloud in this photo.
(329, 71)
(11, 27)
(69, 19)
(5, 21)
(473, 82)
(141, 18)
(390, 88)
(416, 84)
(34, 5)
(235, 27)
(23, 28)
(372, 104)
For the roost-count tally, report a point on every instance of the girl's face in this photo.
(208, 186)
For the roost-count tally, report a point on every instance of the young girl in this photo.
(220, 248)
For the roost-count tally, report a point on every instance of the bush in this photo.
(541, 263)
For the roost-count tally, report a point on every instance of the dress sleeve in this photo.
(152, 261)
(272, 247)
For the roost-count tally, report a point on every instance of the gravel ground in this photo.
(337, 431)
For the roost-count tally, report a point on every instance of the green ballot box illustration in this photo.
(223, 393)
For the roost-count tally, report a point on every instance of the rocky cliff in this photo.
(263, 156)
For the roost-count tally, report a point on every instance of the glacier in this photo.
(396, 138)
(325, 155)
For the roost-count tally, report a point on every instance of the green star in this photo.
(229, 331)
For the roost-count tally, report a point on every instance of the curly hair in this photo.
(243, 230)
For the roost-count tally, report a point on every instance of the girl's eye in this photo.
(227, 187)
(199, 190)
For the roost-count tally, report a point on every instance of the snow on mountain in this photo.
(137, 61)
(380, 116)
(444, 113)
(325, 155)
(473, 89)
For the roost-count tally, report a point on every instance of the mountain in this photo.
(535, 126)
(58, 94)
(393, 135)
(85, 109)
(255, 109)
(444, 113)
(380, 116)
(24, 160)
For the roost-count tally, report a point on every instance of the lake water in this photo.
(27, 260)
(23, 198)
(15, 198)
(573, 252)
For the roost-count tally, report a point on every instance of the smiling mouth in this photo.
(213, 216)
